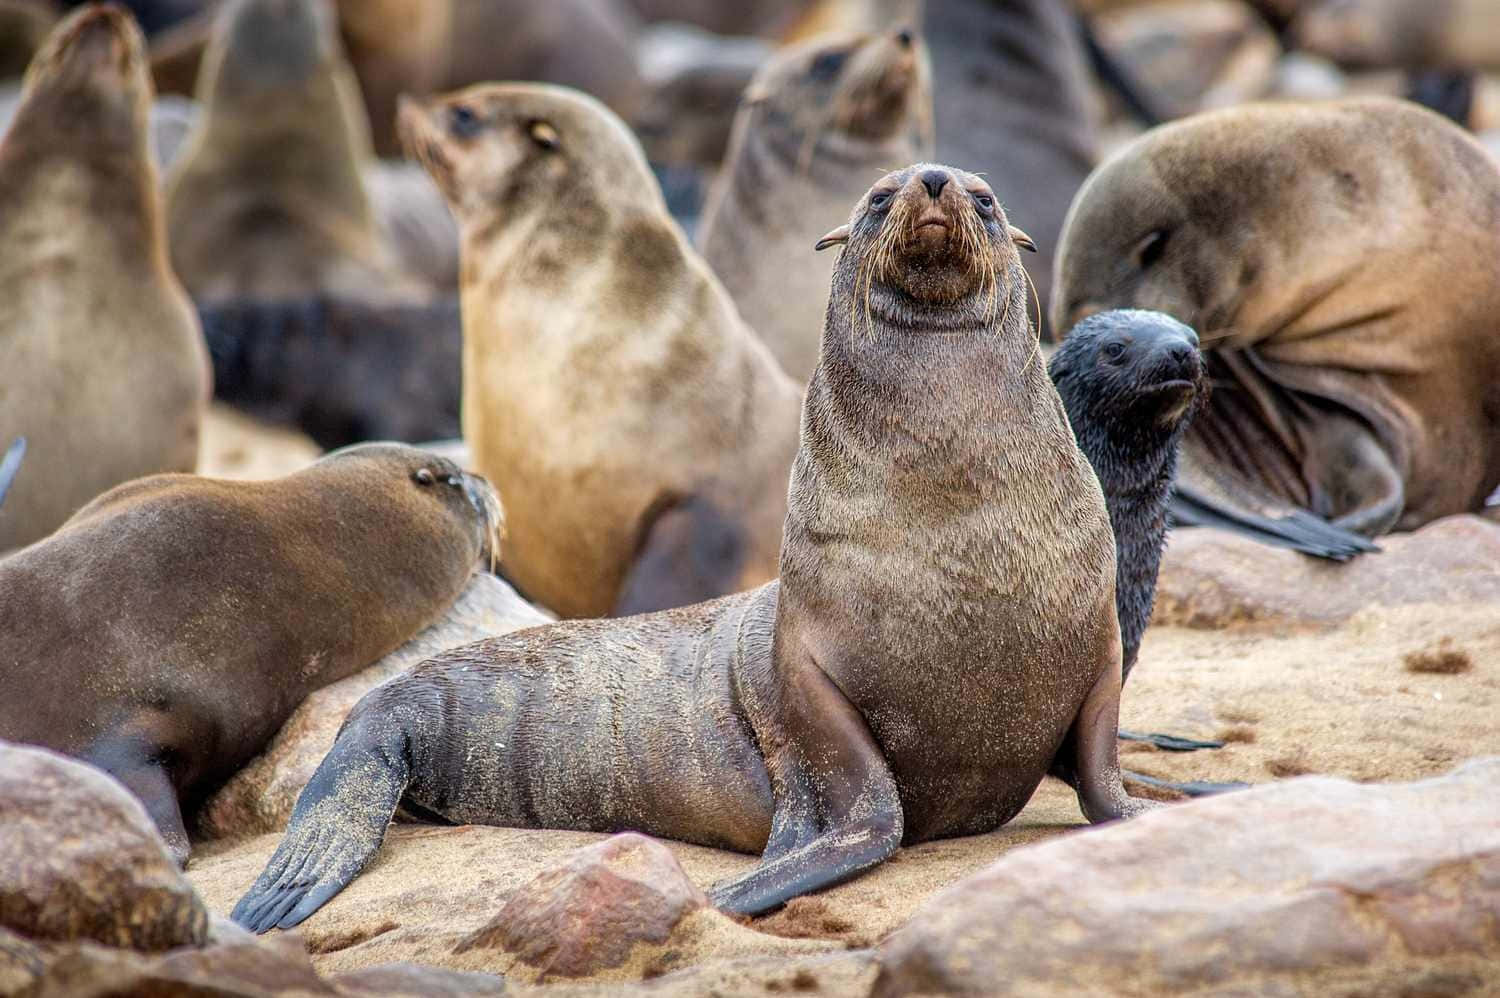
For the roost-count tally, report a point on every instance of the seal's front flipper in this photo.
(1193, 788)
(861, 819)
(10, 464)
(337, 825)
(1094, 769)
(152, 785)
(1299, 531)
(689, 552)
(1169, 743)
(135, 752)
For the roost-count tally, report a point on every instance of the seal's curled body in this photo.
(943, 627)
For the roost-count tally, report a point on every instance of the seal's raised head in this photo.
(516, 148)
(867, 86)
(1131, 372)
(90, 80)
(265, 46)
(928, 237)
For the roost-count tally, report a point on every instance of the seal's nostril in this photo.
(934, 181)
(904, 38)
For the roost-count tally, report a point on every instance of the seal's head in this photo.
(1131, 372)
(501, 151)
(926, 240)
(89, 84)
(265, 47)
(439, 486)
(868, 86)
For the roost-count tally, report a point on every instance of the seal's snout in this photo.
(905, 37)
(934, 181)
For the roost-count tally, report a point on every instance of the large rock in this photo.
(251, 968)
(1315, 886)
(1214, 579)
(80, 860)
(589, 914)
(260, 797)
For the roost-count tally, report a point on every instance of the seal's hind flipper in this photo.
(337, 825)
(10, 464)
(1193, 788)
(1169, 743)
(1300, 530)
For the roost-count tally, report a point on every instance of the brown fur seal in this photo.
(943, 628)
(640, 433)
(166, 631)
(1342, 263)
(1386, 33)
(816, 122)
(268, 202)
(24, 25)
(104, 367)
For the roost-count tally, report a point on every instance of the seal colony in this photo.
(1340, 262)
(943, 629)
(817, 121)
(639, 431)
(166, 632)
(105, 369)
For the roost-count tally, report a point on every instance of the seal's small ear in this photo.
(837, 237)
(1021, 239)
(543, 134)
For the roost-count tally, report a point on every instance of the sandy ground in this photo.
(1392, 693)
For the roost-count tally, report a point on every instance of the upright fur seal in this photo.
(639, 431)
(944, 625)
(816, 122)
(166, 631)
(1342, 264)
(104, 367)
(268, 202)
(1130, 381)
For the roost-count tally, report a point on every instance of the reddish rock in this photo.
(1315, 886)
(587, 915)
(80, 860)
(1211, 578)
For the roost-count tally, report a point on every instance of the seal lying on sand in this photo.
(640, 432)
(166, 631)
(816, 123)
(944, 625)
(104, 367)
(1340, 262)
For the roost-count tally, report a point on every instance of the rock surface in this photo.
(275, 968)
(80, 860)
(1252, 893)
(1214, 579)
(589, 914)
(260, 797)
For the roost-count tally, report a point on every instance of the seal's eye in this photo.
(462, 121)
(827, 65)
(424, 476)
(986, 204)
(879, 201)
(1113, 350)
(543, 134)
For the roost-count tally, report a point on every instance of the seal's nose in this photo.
(904, 38)
(934, 181)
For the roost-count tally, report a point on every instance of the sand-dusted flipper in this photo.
(336, 827)
(1300, 531)
(1192, 788)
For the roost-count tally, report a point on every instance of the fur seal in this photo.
(268, 201)
(816, 122)
(639, 431)
(24, 25)
(943, 627)
(105, 370)
(1449, 34)
(1130, 382)
(228, 603)
(1339, 261)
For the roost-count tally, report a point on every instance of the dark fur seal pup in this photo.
(268, 201)
(816, 122)
(104, 367)
(166, 631)
(943, 627)
(639, 431)
(1339, 261)
(1130, 381)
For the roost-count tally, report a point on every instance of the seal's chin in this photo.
(1171, 399)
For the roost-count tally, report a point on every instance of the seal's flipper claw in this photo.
(1170, 743)
(10, 464)
(1193, 788)
(338, 823)
(1300, 531)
